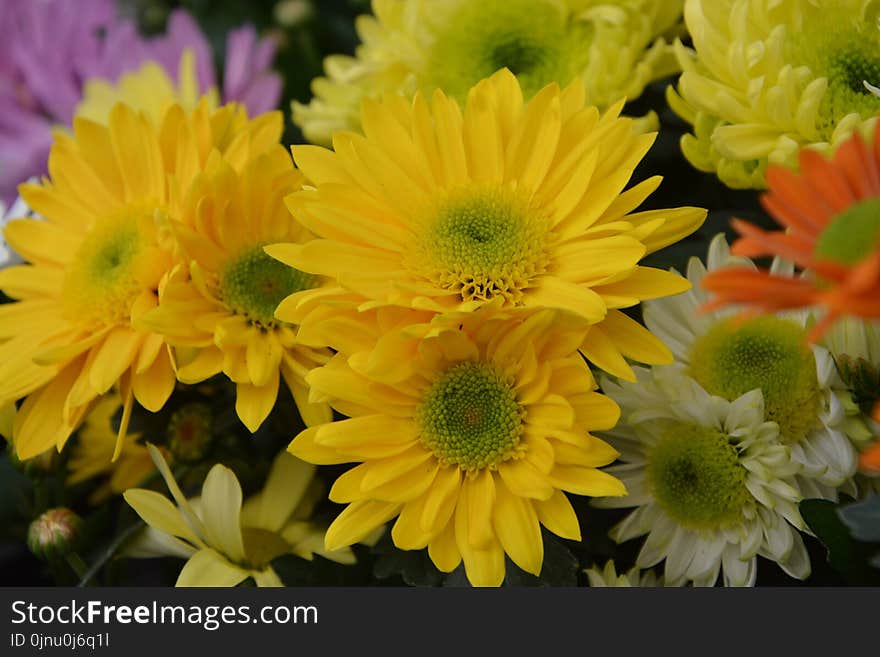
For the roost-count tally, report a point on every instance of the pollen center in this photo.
(767, 353)
(696, 477)
(532, 38)
(253, 284)
(845, 49)
(852, 235)
(114, 264)
(483, 244)
(470, 417)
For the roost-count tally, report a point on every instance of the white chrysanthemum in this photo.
(634, 577)
(17, 210)
(729, 355)
(713, 486)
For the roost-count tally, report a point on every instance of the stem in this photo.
(77, 564)
(87, 575)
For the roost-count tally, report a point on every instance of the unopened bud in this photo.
(55, 533)
(190, 432)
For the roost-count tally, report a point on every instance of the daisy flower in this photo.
(769, 77)
(829, 216)
(613, 48)
(473, 450)
(96, 263)
(53, 48)
(225, 540)
(219, 306)
(442, 210)
(729, 355)
(713, 486)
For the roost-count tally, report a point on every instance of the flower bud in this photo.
(190, 432)
(55, 533)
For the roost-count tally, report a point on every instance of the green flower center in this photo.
(696, 477)
(190, 432)
(843, 46)
(482, 244)
(253, 284)
(852, 235)
(470, 417)
(767, 353)
(532, 38)
(261, 546)
(113, 265)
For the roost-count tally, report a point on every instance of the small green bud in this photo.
(190, 432)
(54, 534)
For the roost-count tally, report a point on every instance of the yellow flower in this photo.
(614, 47)
(225, 541)
(97, 261)
(512, 201)
(92, 453)
(219, 307)
(473, 449)
(148, 89)
(769, 77)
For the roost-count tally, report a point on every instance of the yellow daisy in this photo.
(473, 450)
(92, 453)
(224, 539)
(613, 47)
(218, 307)
(769, 77)
(148, 89)
(96, 263)
(439, 210)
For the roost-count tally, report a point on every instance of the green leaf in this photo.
(560, 568)
(863, 518)
(846, 555)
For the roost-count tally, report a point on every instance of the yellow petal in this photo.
(154, 386)
(523, 479)
(603, 353)
(207, 568)
(553, 292)
(305, 447)
(633, 340)
(440, 499)
(586, 481)
(517, 528)
(443, 549)
(158, 512)
(254, 403)
(221, 511)
(645, 283)
(282, 492)
(478, 497)
(357, 520)
(557, 515)
(407, 533)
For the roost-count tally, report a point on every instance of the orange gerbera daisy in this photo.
(831, 215)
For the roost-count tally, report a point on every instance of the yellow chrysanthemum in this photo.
(520, 202)
(769, 77)
(96, 263)
(219, 306)
(615, 47)
(148, 89)
(224, 539)
(472, 450)
(92, 454)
